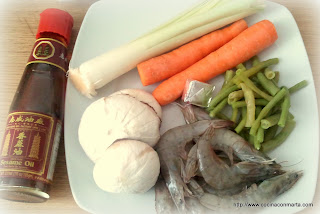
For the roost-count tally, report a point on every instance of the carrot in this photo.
(169, 64)
(240, 49)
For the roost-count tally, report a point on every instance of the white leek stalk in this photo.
(200, 20)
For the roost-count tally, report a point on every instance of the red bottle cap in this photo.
(55, 21)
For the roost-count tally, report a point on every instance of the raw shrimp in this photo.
(225, 192)
(170, 147)
(193, 204)
(267, 191)
(227, 141)
(195, 188)
(164, 202)
(192, 113)
(192, 166)
(188, 113)
(220, 176)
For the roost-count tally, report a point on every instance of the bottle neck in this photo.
(50, 48)
(53, 36)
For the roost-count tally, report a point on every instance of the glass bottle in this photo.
(34, 125)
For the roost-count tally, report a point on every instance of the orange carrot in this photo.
(169, 64)
(240, 49)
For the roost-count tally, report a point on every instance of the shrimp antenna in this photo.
(291, 164)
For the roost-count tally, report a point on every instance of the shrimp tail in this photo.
(191, 166)
(218, 124)
(195, 188)
(187, 112)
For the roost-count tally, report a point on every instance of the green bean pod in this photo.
(250, 101)
(258, 109)
(298, 86)
(220, 96)
(254, 88)
(279, 138)
(252, 71)
(260, 135)
(235, 96)
(261, 65)
(270, 133)
(222, 116)
(266, 110)
(255, 61)
(227, 77)
(269, 74)
(218, 108)
(276, 78)
(256, 143)
(258, 102)
(242, 123)
(284, 110)
(268, 84)
(241, 66)
(270, 121)
(234, 116)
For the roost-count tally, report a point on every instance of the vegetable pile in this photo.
(259, 106)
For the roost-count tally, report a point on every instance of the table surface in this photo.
(18, 25)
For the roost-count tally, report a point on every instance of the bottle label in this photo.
(26, 149)
(49, 51)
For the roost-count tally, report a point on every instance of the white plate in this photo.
(108, 24)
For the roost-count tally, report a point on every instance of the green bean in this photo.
(284, 110)
(261, 65)
(246, 134)
(255, 60)
(227, 77)
(258, 102)
(220, 96)
(255, 80)
(252, 71)
(270, 121)
(235, 96)
(266, 110)
(222, 116)
(219, 107)
(270, 133)
(276, 78)
(254, 88)
(258, 110)
(250, 101)
(267, 84)
(234, 115)
(260, 135)
(239, 71)
(256, 95)
(241, 66)
(242, 123)
(298, 86)
(273, 120)
(279, 138)
(256, 143)
(269, 74)
(251, 139)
